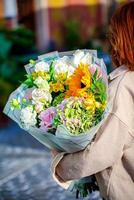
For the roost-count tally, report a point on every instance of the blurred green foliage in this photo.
(16, 48)
(20, 36)
(72, 35)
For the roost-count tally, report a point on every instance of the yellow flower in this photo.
(100, 105)
(56, 87)
(61, 77)
(36, 74)
(90, 102)
(79, 82)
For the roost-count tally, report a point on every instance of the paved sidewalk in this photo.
(25, 169)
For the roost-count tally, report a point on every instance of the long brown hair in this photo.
(121, 36)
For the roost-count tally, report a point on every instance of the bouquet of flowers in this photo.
(63, 101)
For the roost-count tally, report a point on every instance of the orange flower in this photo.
(79, 82)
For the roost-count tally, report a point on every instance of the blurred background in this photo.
(29, 28)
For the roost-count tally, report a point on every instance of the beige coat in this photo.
(111, 156)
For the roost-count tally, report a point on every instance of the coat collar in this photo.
(117, 72)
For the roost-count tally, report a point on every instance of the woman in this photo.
(111, 156)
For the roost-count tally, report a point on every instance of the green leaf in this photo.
(99, 90)
(94, 77)
(31, 61)
(58, 99)
(29, 82)
(51, 71)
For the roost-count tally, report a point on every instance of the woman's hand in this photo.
(54, 152)
(59, 168)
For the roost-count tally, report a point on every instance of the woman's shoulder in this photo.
(128, 80)
(125, 89)
(121, 83)
(123, 100)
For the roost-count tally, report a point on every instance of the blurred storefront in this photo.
(8, 13)
(51, 19)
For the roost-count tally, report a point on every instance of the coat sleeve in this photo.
(101, 154)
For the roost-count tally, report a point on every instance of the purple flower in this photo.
(62, 105)
(28, 94)
(47, 118)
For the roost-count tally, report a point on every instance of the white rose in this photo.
(60, 66)
(81, 57)
(28, 117)
(41, 95)
(39, 107)
(42, 66)
(64, 66)
(41, 83)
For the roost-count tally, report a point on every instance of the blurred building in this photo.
(49, 19)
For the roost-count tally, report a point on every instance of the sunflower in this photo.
(79, 82)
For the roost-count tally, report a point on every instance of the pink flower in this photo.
(93, 68)
(47, 118)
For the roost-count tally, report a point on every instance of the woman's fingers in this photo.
(54, 152)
